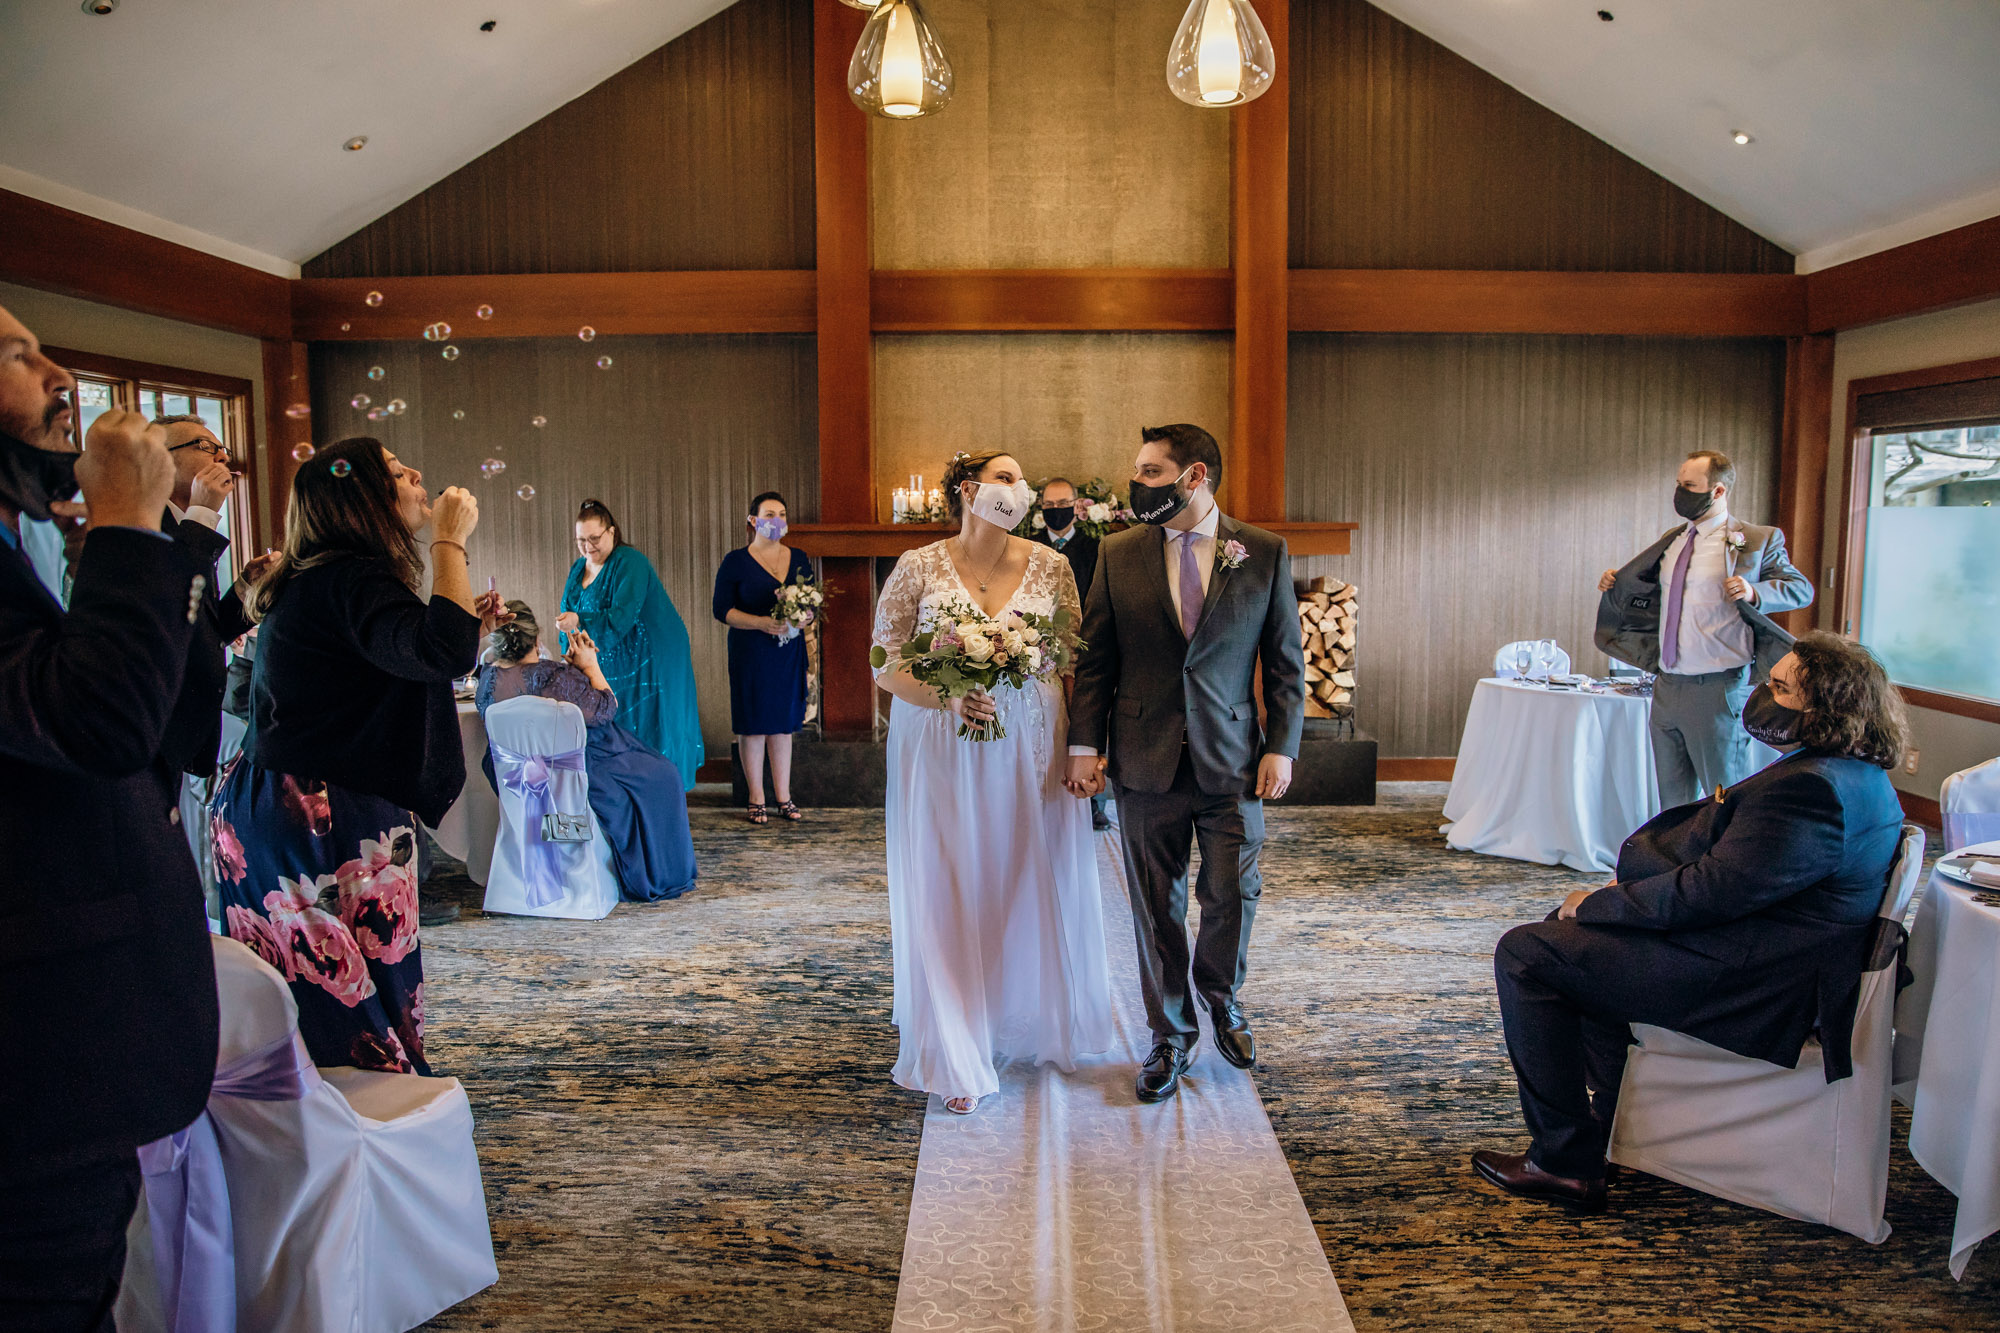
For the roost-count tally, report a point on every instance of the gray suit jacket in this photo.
(1147, 686)
(1628, 616)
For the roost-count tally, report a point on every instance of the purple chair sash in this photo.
(528, 776)
(1963, 828)
(187, 1194)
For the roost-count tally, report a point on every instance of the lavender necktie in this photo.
(1190, 585)
(1670, 619)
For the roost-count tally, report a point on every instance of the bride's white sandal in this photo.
(961, 1105)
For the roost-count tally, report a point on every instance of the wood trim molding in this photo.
(1020, 300)
(118, 367)
(1950, 268)
(1920, 809)
(543, 305)
(1958, 705)
(1802, 461)
(77, 255)
(1701, 305)
(876, 540)
(1253, 476)
(1415, 770)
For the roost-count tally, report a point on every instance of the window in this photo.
(1925, 536)
(222, 403)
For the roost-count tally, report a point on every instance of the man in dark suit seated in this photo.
(107, 988)
(1742, 921)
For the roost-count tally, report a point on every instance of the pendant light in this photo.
(899, 70)
(1221, 55)
(865, 5)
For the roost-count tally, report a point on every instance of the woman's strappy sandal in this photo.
(791, 810)
(760, 814)
(961, 1105)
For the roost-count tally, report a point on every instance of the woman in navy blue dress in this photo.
(635, 791)
(767, 666)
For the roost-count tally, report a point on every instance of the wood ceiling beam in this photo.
(1948, 269)
(543, 305)
(1700, 305)
(1052, 300)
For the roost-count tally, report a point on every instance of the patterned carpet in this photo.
(685, 1118)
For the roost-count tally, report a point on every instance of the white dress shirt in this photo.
(201, 514)
(1713, 636)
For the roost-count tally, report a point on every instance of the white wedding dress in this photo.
(993, 897)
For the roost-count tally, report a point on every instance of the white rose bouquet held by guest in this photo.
(967, 650)
(800, 604)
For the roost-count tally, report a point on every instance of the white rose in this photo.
(1040, 523)
(1034, 659)
(1015, 644)
(1031, 635)
(1099, 513)
(978, 647)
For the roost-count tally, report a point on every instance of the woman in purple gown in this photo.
(635, 792)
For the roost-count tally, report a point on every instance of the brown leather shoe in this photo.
(1517, 1175)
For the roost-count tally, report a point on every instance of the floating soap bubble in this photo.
(604, 363)
(303, 452)
(377, 413)
(345, 327)
(458, 414)
(377, 374)
(450, 352)
(437, 333)
(374, 298)
(361, 402)
(538, 422)
(492, 467)
(397, 406)
(586, 333)
(341, 467)
(526, 493)
(297, 411)
(484, 312)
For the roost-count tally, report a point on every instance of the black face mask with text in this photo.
(1769, 721)
(1161, 504)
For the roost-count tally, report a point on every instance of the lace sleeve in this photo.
(896, 609)
(1066, 594)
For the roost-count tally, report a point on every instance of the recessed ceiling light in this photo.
(1605, 15)
(489, 25)
(356, 144)
(99, 6)
(1741, 137)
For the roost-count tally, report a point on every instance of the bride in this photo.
(993, 897)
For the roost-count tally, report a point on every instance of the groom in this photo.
(1181, 615)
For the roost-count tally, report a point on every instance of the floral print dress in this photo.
(322, 883)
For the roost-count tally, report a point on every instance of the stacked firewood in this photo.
(1326, 619)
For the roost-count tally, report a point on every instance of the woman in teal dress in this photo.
(642, 643)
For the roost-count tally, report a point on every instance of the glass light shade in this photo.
(899, 70)
(868, 5)
(1221, 55)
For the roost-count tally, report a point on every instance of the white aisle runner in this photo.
(1064, 1204)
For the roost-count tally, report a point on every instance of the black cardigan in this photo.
(352, 686)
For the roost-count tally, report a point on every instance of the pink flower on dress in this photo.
(229, 860)
(379, 1050)
(378, 895)
(247, 928)
(320, 947)
(411, 1026)
(313, 808)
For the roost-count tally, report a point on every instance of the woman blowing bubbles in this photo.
(353, 740)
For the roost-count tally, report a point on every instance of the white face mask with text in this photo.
(1004, 506)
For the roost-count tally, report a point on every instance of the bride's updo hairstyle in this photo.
(966, 467)
(517, 638)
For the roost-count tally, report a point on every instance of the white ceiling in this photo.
(1867, 115)
(218, 123)
(222, 120)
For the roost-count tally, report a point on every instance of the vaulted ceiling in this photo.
(220, 122)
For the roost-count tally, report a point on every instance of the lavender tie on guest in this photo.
(1670, 618)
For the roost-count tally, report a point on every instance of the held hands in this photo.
(976, 710)
(1736, 590)
(454, 516)
(774, 627)
(568, 623)
(1274, 777)
(212, 486)
(125, 473)
(582, 652)
(1604, 583)
(1084, 776)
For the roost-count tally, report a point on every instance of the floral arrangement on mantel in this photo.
(1098, 510)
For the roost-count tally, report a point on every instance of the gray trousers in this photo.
(1698, 739)
(1156, 833)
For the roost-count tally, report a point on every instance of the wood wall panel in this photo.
(1494, 479)
(697, 156)
(676, 437)
(1405, 155)
(1069, 403)
(1061, 147)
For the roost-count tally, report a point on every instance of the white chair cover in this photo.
(1556, 663)
(531, 877)
(355, 1207)
(1784, 1140)
(1971, 805)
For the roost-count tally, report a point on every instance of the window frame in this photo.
(130, 379)
(1854, 525)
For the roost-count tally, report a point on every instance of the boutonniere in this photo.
(1232, 555)
(1736, 539)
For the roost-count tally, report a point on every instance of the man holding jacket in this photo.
(1693, 607)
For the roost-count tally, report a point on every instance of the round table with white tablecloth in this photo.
(1948, 1051)
(1557, 776)
(469, 827)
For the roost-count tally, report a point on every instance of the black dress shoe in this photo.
(1232, 1036)
(1517, 1175)
(1160, 1077)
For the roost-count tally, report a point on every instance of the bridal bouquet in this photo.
(966, 649)
(799, 604)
